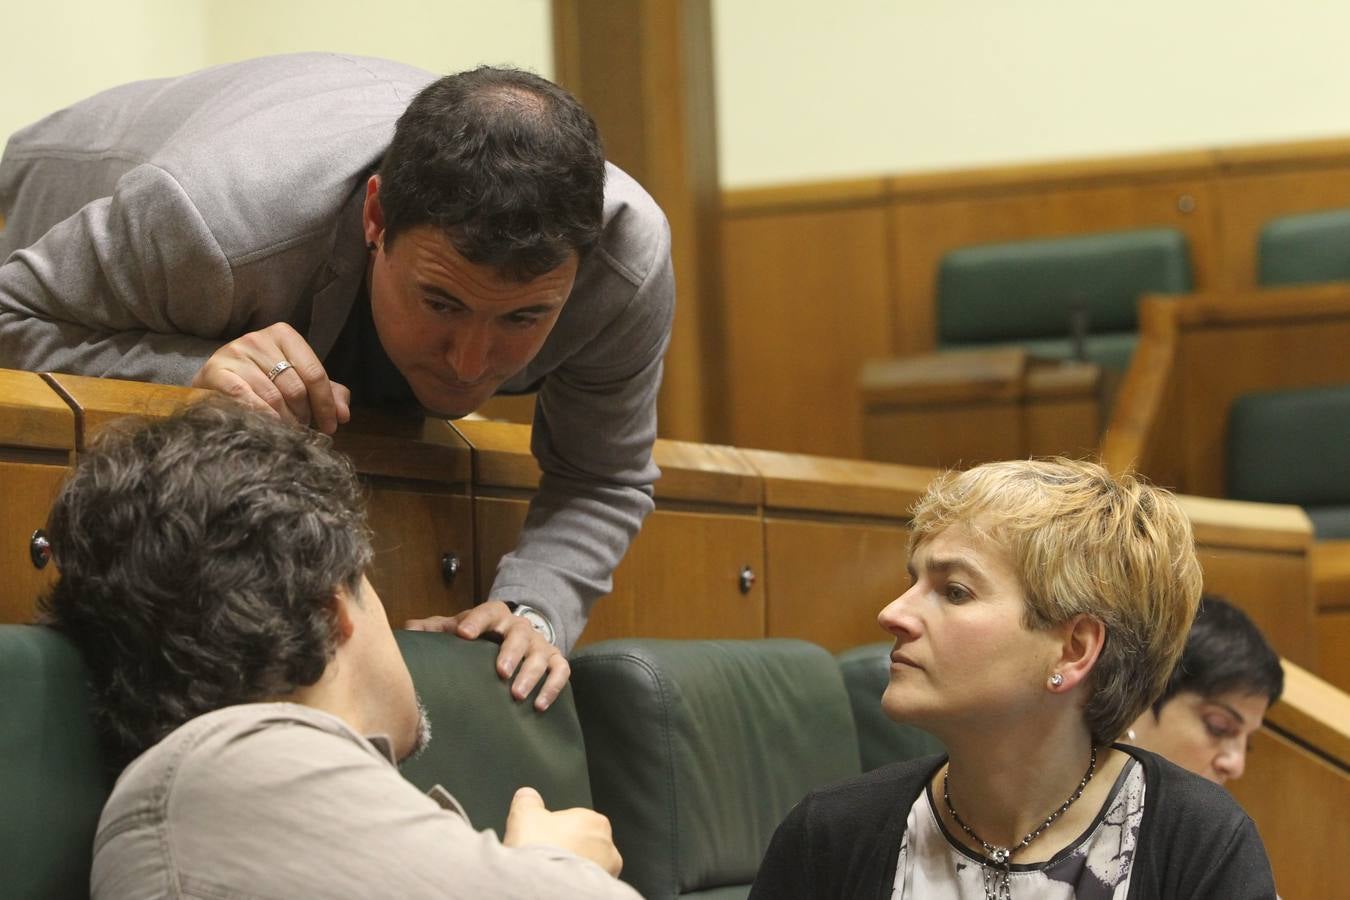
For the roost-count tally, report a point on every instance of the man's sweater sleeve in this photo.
(594, 427)
(130, 286)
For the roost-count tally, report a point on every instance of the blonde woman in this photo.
(1049, 602)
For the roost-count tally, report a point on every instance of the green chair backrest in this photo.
(1304, 248)
(484, 744)
(1030, 291)
(697, 750)
(866, 672)
(1293, 446)
(53, 780)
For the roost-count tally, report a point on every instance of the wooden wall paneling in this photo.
(37, 437)
(930, 222)
(1297, 786)
(807, 300)
(644, 71)
(1333, 646)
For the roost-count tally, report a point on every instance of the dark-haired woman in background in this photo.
(1217, 696)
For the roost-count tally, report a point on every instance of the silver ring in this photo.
(276, 370)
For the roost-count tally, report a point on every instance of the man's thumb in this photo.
(527, 798)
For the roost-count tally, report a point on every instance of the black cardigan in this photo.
(843, 841)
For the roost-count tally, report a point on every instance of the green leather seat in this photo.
(697, 750)
(1293, 446)
(1027, 292)
(867, 671)
(52, 777)
(484, 744)
(1304, 248)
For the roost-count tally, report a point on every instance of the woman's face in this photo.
(962, 655)
(1207, 735)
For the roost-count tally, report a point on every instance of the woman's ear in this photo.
(1082, 639)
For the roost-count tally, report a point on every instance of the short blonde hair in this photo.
(1085, 542)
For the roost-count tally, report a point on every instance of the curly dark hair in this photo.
(198, 558)
(506, 163)
(1225, 651)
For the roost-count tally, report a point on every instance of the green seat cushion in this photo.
(1291, 446)
(867, 671)
(1330, 523)
(484, 744)
(53, 781)
(1305, 248)
(697, 750)
(1016, 291)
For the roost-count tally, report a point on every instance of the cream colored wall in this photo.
(813, 90)
(58, 51)
(440, 35)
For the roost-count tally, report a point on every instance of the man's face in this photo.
(393, 708)
(456, 329)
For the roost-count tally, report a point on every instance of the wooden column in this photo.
(644, 69)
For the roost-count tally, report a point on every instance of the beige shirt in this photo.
(277, 800)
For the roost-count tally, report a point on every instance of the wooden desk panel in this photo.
(412, 531)
(680, 578)
(26, 494)
(829, 579)
(1275, 589)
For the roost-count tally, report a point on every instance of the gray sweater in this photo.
(152, 223)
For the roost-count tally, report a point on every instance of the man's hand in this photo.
(301, 393)
(525, 653)
(585, 832)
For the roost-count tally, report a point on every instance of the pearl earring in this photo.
(1056, 680)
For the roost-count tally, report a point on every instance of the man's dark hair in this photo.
(198, 558)
(507, 164)
(1225, 651)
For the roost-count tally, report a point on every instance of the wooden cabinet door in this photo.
(828, 580)
(680, 579)
(26, 494)
(412, 530)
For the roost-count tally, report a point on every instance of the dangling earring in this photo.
(1056, 680)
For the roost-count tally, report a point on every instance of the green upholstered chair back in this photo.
(52, 778)
(484, 744)
(698, 749)
(1293, 446)
(867, 671)
(1028, 292)
(1304, 248)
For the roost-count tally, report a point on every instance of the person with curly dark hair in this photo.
(313, 232)
(212, 576)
